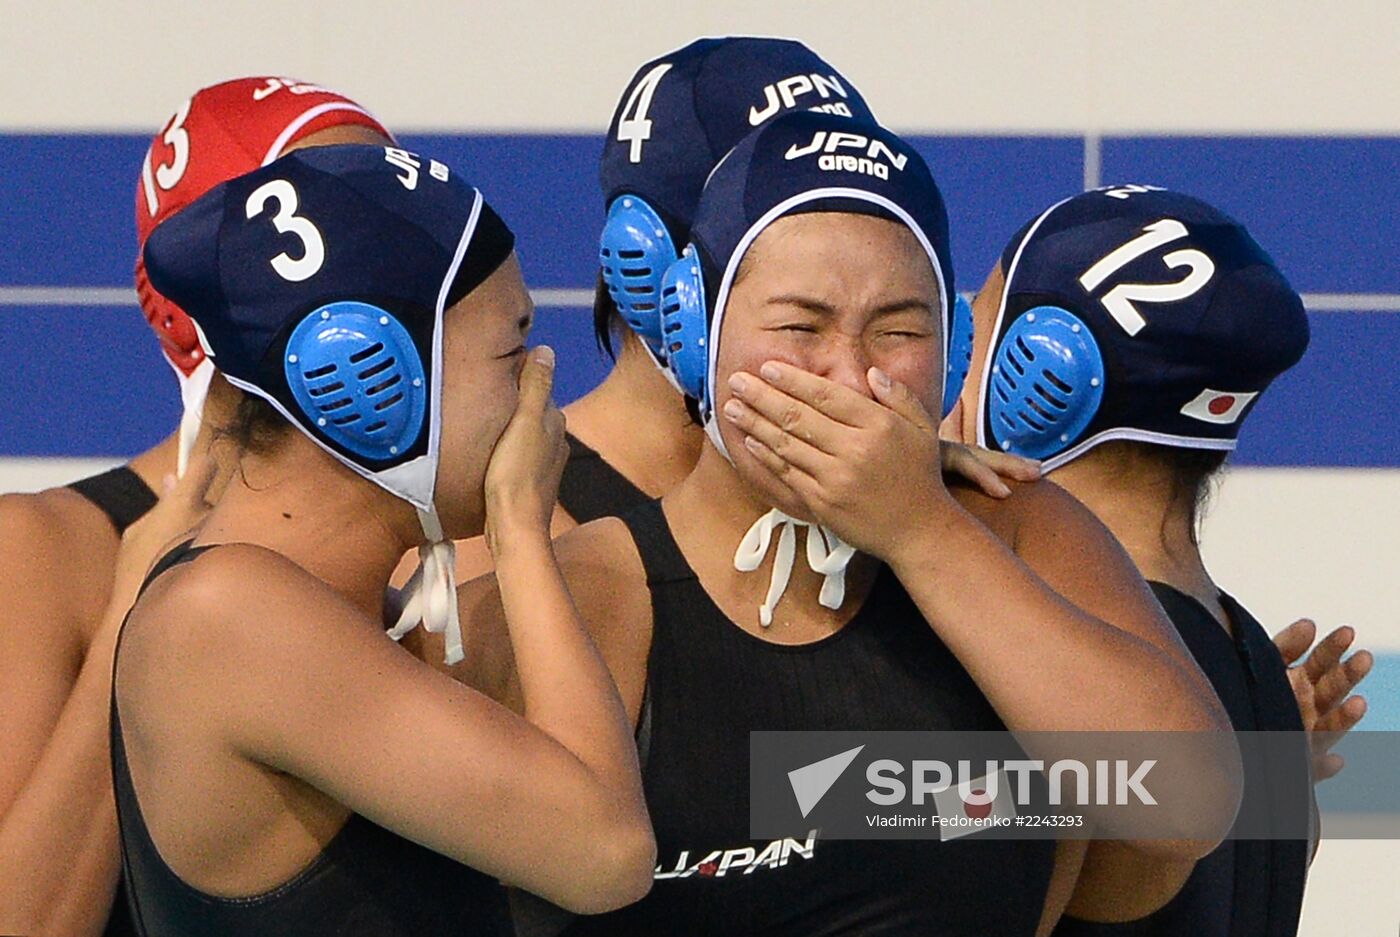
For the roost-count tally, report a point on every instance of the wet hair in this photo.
(1194, 473)
(256, 426)
(607, 321)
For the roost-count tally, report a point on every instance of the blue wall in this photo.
(88, 380)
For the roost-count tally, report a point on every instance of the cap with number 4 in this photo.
(317, 279)
(1132, 312)
(683, 111)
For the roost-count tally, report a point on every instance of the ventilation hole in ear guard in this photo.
(340, 362)
(1049, 398)
(634, 251)
(1041, 411)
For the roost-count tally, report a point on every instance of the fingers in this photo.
(1328, 731)
(1007, 465)
(1328, 652)
(897, 397)
(961, 461)
(834, 401)
(787, 414)
(536, 381)
(781, 443)
(1339, 721)
(782, 472)
(1337, 683)
(1293, 642)
(1327, 766)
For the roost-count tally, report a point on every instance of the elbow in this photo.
(1202, 802)
(624, 865)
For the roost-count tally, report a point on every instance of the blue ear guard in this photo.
(1046, 383)
(634, 252)
(354, 370)
(959, 353)
(684, 326)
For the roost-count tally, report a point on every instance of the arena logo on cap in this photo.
(1218, 406)
(872, 163)
(783, 95)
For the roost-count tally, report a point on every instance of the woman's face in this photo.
(483, 350)
(834, 294)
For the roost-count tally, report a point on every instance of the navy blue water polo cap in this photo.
(1132, 312)
(801, 162)
(683, 111)
(319, 283)
(676, 119)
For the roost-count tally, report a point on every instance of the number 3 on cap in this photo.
(286, 221)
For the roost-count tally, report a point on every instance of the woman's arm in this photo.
(59, 833)
(551, 802)
(1044, 662)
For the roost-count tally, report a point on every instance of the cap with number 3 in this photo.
(322, 235)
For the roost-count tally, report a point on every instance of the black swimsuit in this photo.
(367, 882)
(120, 494)
(591, 488)
(709, 683)
(1245, 888)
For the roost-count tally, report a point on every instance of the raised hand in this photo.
(1322, 683)
(522, 479)
(861, 466)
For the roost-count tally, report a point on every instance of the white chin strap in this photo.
(432, 591)
(827, 554)
(194, 390)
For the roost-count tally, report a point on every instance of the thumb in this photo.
(1293, 642)
(536, 381)
(897, 397)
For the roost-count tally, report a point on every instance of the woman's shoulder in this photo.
(602, 552)
(57, 553)
(1032, 510)
(226, 607)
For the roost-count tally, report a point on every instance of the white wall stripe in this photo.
(126, 296)
(1093, 160)
(1352, 302)
(580, 298)
(67, 296)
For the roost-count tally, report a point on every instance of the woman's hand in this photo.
(1322, 683)
(861, 466)
(522, 479)
(182, 506)
(986, 468)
